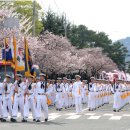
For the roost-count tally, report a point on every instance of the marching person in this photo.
(19, 89)
(30, 98)
(59, 94)
(73, 99)
(1, 106)
(117, 97)
(70, 87)
(77, 91)
(7, 101)
(84, 92)
(41, 98)
(91, 95)
(66, 92)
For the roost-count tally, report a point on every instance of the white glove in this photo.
(29, 98)
(5, 80)
(15, 82)
(6, 98)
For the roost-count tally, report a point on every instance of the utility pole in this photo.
(65, 26)
(34, 16)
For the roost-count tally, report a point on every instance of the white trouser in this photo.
(1, 106)
(91, 100)
(66, 99)
(78, 104)
(41, 103)
(117, 100)
(30, 104)
(7, 102)
(59, 100)
(84, 97)
(70, 99)
(18, 102)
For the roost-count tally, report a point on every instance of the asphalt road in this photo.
(101, 119)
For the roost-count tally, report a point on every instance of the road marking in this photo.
(94, 117)
(74, 117)
(90, 114)
(115, 118)
(126, 115)
(51, 114)
(108, 114)
(53, 117)
(70, 114)
(85, 109)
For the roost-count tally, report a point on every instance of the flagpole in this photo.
(5, 55)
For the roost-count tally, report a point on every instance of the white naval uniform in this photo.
(77, 92)
(70, 95)
(18, 98)
(50, 91)
(117, 97)
(1, 92)
(59, 95)
(84, 94)
(66, 94)
(91, 96)
(7, 101)
(30, 101)
(41, 100)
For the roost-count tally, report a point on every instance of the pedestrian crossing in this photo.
(86, 115)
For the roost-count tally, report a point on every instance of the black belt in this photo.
(41, 93)
(0, 94)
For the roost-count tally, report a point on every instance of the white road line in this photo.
(108, 114)
(53, 117)
(90, 114)
(94, 117)
(73, 117)
(51, 114)
(70, 114)
(128, 115)
(85, 109)
(115, 118)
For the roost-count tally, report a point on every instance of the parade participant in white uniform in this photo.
(70, 87)
(1, 92)
(84, 92)
(73, 98)
(59, 94)
(19, 89)
(77, 91)
(7, 101)
(50, 91)
(53, 94)
(41, 98)
(91, 95)
(117, 97)
(66, 92)
(30, 98)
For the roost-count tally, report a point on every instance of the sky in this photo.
(109, 16)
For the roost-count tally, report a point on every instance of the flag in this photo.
(27, 58)
(6, 51)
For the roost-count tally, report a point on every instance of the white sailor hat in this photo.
(30, 76)
(92, 78)
(68, 79)
(77, 76)
(19, 75)
(8, 76)
(59, 78)
(42, 74)
(85, 81)
(37, 78)
(65, 78)
(73, 79)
